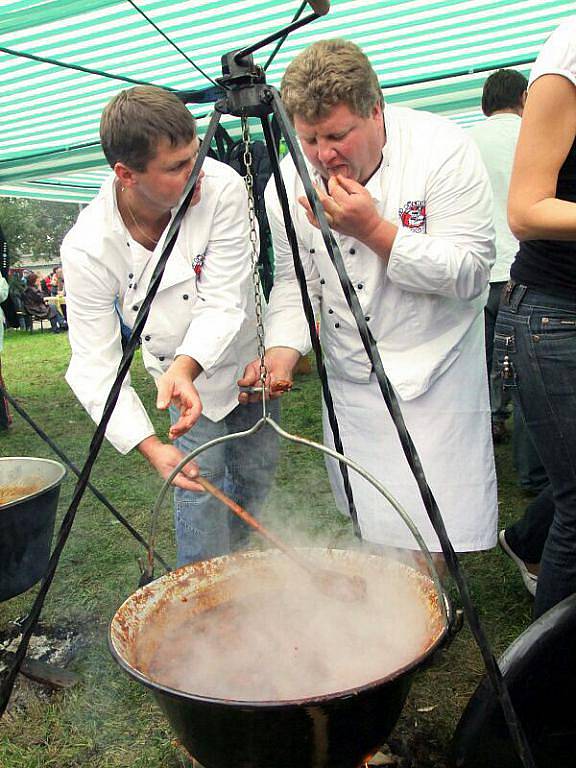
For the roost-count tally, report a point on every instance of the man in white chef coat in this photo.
(201, 329)
(409, 203)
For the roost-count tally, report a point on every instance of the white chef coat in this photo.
(496, 138)
(421, 305)
(204, 307)
(424, 309)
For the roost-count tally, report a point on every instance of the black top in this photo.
(550, 265)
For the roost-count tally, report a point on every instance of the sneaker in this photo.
(530, 580)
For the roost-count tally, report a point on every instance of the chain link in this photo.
(249, 181)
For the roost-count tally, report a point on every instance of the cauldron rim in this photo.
(176, 693)
(44, 488)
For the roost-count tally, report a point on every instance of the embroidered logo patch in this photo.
(413, 215)
(198, 263)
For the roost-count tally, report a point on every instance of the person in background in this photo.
(17, 285)
(201, 328)
(503, 99)
(409, 203)
(5, 419)
(46, 285)
(536, 325)
(58, 282)
(35, 305)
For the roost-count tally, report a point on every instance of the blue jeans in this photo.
(536, 350)
(243, 468)
(499, 398)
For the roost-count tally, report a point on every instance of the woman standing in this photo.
(536, 328)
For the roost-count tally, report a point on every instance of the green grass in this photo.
(110, 722)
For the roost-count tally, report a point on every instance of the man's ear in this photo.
(124, 175)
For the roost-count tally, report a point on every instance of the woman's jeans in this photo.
(243, 468)
(536, 351)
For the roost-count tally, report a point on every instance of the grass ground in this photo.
(110, 722)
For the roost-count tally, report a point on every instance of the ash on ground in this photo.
(56, 646)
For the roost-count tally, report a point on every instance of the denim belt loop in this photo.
(513, 295)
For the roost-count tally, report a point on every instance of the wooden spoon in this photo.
(331, 583)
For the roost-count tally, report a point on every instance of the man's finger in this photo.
(164, 395)
(185, 422)
(249, 379)
(349, 185)
(188, 485)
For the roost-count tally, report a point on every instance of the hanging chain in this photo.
(249, 181)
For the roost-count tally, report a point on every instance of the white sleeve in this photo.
(4, 289)
(94, 335)
(286, 324)
(225, 287)
(454, 256)
(558, 54)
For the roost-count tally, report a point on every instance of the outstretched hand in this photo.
(165, 458)
(175, 387)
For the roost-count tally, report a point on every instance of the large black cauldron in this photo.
(340, 730)
(27, 523)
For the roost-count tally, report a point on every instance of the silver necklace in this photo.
(138, 227)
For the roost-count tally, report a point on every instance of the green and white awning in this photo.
(429, 55)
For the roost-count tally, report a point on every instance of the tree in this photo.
(35, 227)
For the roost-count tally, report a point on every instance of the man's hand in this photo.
(165, 458)
(175, 387)
(280, 363)
(350, 210)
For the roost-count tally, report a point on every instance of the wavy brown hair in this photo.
(328, 73)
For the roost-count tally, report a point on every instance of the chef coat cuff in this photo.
(279, 338)
(124, 441)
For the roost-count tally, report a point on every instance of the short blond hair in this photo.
(328, 73)
(135, 120)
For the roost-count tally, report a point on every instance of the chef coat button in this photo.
(367, 318)
(128, 244)
(352, 251)
(135, 307)
(147, 338)
(312, 250)
(161, 358)
(336, 325)
(185, 297)
(131, 275)
(135, 286)
(322, 281)
(330, 311)
(129, 285)
(360, 286)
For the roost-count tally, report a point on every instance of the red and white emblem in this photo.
(413, 215)
(198, 263)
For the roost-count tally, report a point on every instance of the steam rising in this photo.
(266, 633)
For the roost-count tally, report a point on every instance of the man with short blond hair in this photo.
(409, 204)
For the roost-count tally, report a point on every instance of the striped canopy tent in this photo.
(62, 60)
